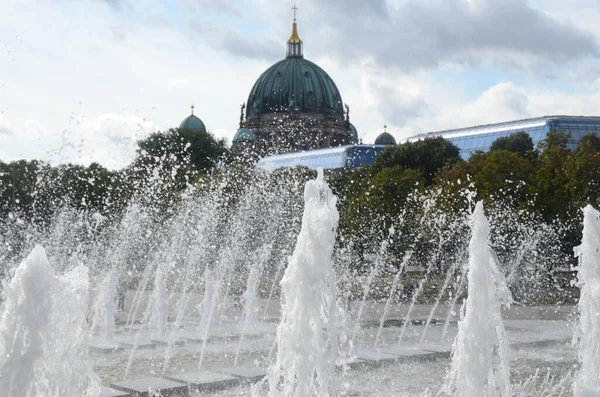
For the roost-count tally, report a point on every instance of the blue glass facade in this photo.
(469, 140)
(353, 156)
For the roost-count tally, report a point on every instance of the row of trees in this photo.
(552, 181)
(34, 190)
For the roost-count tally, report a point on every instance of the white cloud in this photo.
(81, 81)
(109, 139)
(505, 102)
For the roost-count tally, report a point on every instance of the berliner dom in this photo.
(293, 106)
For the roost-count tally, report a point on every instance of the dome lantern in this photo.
(294, 43)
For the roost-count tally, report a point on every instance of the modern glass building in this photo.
(471, 139)
(352, 156)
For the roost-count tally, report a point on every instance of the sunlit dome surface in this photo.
(193, 123)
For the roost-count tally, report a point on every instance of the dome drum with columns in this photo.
(294, 105)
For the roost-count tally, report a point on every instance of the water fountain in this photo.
(202, 303)
(479, 357)
(43, 332)
(306, 342)
(588, 380)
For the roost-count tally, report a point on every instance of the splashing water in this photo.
(588, 379)
(306, 340)
(479, 355)
(250, 296)
(43, 332)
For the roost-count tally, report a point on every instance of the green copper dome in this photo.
(385, 138)
(244, 134)
(294, 85)
(353, 134)
(193, 123)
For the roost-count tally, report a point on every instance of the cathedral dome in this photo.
(294, 85)
(193, 123)
(385, 138)
(294, 105)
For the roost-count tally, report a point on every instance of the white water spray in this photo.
(250, 296)
(479, 355)
(161, 303)
(588, 379)
(44, 333)
(306, 339)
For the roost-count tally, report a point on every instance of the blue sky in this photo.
(82, 80)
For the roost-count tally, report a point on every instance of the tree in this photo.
(18, 186)
(582, 173)
(175, 159)
(496, 176)
(549, 180)
(590, 141)
(200, 149)
(502, 175)
(426, 156)
(519, 142)
(368, 214)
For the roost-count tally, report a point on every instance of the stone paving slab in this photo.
(205, 381)
(101, 345)
(374, 355)
(168, 341)
(139, 342)
(431, 347)
(145, 387)
(355, 363)
(247, 372)
(534, 339)
(253, 335)
(192, 336)
(109, 392)
(225, 337)
(405, 352)
(140, 345)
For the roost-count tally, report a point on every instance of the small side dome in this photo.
(385, 138)
(193, 123)
(353, 133)
(244, 135)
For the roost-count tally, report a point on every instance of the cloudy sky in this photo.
(82, 80)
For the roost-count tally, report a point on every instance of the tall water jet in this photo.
(105, 306)
(306, 338)
(44, 332)
(588, 276)
(67, 369)
(250, 296)
(26, 314)
(479, 355)
(161, 304)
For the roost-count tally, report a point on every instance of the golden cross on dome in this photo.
(295, 9)
(192, 108)
(385, 128)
